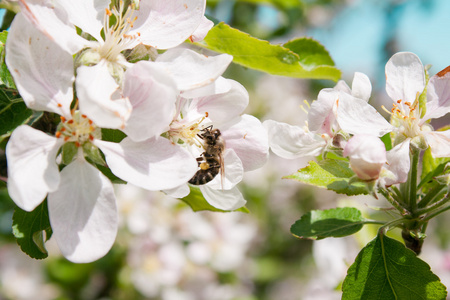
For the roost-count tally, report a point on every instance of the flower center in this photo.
(187, 132)
(80, 129)
(117, 38)
(406, 117)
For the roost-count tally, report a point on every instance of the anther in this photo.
(58, 134)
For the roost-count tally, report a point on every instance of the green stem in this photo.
(412, 179)
(432, 195)
(394, 202)
(433, 206)
(431, 216)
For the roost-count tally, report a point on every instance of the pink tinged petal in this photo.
(439, 142)
(367, 155)
(166, 24)
(32, 169)
(321, 115)
(33, 59)
(202, 30)
(83, 213)
(192, 70)
(219, 86)
(87, 15)
(291, 142)
(438, 95)
(398, 162)
(361, 86)
(152, 94)
(405, 76)
(98, 97)
(154, 164)
(52, 20)
(356, 116)
(223, 199)
(223, 107)
(248, 138)
(233, 172)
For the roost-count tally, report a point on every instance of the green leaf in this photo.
(300, 58)
(336, 222)
(431, 167)
(386, 269)
(112, 135)
(13, 111)
(5, 76)
(32, 230)
(334, 175)
(286, 4)
(197, 202)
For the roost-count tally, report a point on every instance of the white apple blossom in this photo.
(81, 201)
(335, 114)
(100, 64)
(405, 81)
(246, 145)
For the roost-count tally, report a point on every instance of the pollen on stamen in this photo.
(91, 137)
(91, 128)
(108, 12)
(74, 133)
(84, 116)
(59, 105)
(70, 122)
(77, 144)
(408, 104)
(206, 114)
(191, 39)
(62, 119)
(63, 129)
(399, 101)
(66, 138)
(90, 122)
(58, 134)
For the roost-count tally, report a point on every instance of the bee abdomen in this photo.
(204, 176)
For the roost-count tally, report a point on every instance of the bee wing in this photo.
(222, 169)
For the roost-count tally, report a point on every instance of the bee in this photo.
(210, 161)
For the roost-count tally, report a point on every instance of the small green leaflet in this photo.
(331, 174)
(13, 111)
(336, 222)
(197, 202)
(386, 269)
(5, 76)
(299, 58)
(32, 230)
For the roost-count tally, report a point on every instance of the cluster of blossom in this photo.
(343, 122)
(175, 254)
(108, 65)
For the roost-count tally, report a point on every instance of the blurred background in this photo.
(165, 251)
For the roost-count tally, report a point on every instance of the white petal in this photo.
(52, 20)
(87, 15)
(398, 162)
(361, 86)
(438, 95)
(166, 24)
(356, 116)
(223, 199)
(321, 115)
(405, 76)
(223, 107)
(154, 164)
(439, 142)
(342, 86)
(178, 192)
(202, 30)
(98, 97)
(32, 168)
(249, 139)
(291, 142)
(192, 70)
(152, 95)
(233, 172)
(33, 59)
(83, 213)
(219, 86)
